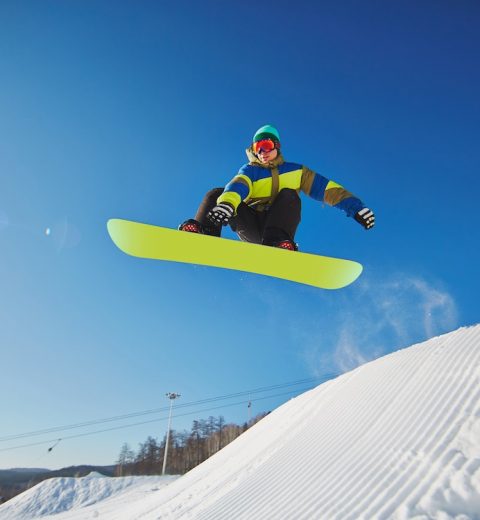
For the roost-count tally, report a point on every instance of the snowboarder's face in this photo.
(266, 157)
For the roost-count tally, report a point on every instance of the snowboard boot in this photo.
(191, 226)
(194, 226)
(287, 244)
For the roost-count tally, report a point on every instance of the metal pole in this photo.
(172, 396)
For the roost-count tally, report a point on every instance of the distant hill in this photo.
(27, 470)
(13, 476)
(79, 471)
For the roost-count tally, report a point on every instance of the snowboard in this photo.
(159, 243)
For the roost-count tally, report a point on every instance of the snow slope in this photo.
(396, 438)
(57, 495)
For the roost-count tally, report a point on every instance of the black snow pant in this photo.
(270, 226)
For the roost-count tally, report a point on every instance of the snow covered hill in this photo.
(396, 438)
(57, 495)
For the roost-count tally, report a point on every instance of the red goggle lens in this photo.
(265, 145)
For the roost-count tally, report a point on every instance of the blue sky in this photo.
(135, 110)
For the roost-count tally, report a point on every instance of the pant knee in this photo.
(208, 202)
(213, 194)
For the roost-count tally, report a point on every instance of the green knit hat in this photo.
(267, 132)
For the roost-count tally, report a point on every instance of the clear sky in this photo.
(136, 109)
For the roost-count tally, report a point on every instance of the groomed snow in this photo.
(397, 438)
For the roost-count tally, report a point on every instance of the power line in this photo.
(114, 428)
(131, 415)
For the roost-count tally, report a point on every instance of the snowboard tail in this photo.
(159, 243)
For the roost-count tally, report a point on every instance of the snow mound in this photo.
(94, 474)
(57, 495)
(397, 438)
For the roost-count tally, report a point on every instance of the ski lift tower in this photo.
(172, 396)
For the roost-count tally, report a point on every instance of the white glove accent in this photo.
(366, 218)
(221, 214)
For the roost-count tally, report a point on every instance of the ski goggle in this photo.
(265, 145)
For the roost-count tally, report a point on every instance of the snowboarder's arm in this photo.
(320, 188)
(238, 189)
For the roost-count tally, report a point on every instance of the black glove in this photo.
(365, 217)
(221, 214)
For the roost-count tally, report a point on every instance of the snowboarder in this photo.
(262, 204)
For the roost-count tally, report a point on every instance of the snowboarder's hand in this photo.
(221, 213)
(365, 217)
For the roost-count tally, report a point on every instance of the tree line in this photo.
(186, 449)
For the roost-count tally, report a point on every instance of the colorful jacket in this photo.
(258, 184)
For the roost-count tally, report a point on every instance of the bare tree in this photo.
(188, 449)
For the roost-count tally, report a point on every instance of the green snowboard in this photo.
(159, 243)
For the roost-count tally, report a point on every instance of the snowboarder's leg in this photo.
(282, 219)
(200, 224)
(247, 224)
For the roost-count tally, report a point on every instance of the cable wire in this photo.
(131, 415)
(151, 421)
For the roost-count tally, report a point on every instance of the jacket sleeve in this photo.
(238, 189)
(320, 188)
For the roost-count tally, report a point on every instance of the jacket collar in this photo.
(254, 160)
